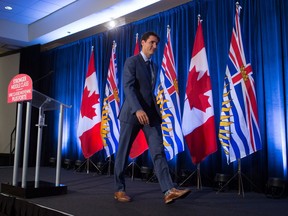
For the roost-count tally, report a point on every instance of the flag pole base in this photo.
(239, 174)
(199, 181)
(132, 164)
(108, 162)
(87, 163)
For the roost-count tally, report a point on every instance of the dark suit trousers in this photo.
(128, 133)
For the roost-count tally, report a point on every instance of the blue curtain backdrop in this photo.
(264, 31)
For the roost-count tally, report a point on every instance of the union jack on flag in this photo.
(110, 124)
(168, 99)
(239, 131)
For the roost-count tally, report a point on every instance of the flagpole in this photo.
(88, 166)
(109, 165)
(240, 182)
(199, 182)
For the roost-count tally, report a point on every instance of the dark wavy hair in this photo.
(146, 35)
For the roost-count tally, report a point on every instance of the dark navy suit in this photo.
(139, 95)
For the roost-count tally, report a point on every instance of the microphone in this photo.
(46, 75)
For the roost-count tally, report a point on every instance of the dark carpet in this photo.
(92, 194)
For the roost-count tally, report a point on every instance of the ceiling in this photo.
(55, 22)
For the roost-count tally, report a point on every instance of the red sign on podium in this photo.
(20, 88)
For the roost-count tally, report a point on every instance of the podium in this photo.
(37, 188)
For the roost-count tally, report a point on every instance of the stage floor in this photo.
(92, 194)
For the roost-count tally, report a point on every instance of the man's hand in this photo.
(142, 117)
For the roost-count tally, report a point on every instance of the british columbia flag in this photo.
(168, 99)
(239, 132)
(110, 110)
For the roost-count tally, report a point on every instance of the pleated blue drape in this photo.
(264, 31)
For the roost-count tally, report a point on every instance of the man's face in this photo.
(149, 46)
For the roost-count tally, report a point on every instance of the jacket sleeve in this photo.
(130, 84)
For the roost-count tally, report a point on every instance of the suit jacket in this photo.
(139, 92)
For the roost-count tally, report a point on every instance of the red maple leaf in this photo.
(88, 102)
(196, 89)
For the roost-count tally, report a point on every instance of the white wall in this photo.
(9, 67)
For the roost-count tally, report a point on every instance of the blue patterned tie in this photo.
(150, 69)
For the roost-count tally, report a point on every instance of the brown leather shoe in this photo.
(174, 194)
(121, 196)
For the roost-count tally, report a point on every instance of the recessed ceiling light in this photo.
(112, 23)
(8, 8)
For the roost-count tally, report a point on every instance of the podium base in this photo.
(44, 189)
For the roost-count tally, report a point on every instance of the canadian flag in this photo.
(198, 122)
(89, 126)
(139, 145)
